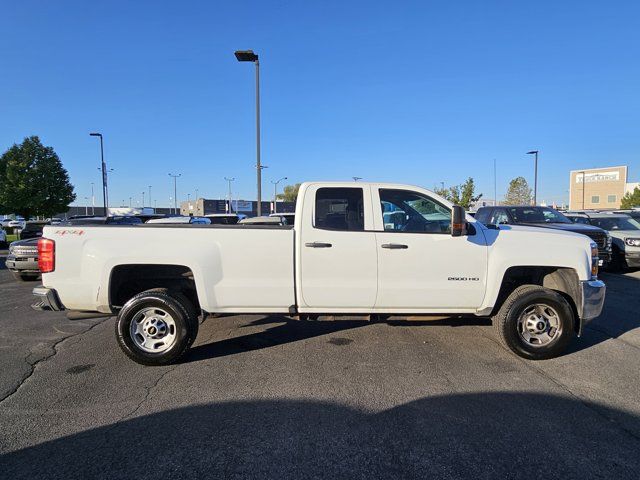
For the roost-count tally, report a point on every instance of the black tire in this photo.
(183, 314)
(618, 262)
(506, 322)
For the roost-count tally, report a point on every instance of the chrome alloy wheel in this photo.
(539, 325)
(153, 330)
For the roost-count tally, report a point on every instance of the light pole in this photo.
(149, 198)
(535, 178)
(86, 206)
(249, 56)
(583, 175)
(105, 195)
(229, 180)
(130, 198)
(93, 201)
(275, 193)
(143, 199)
(175, 191)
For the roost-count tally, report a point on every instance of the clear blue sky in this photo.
(415, 92)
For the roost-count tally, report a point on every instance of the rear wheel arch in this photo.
(128, 280)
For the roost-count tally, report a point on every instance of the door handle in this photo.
(395, 246)
(317, 245)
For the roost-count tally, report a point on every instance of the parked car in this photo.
(32, 229)
(3, 239)
(263, 220)
(17, 224)
(114, 220)
(288, 218)
(625, 232)
(545, 217)
(22, 260)
(540, 286)
(635, 214)
(223, 218)
(183, 220)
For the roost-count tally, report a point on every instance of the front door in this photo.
(338, 267)
(420, 265)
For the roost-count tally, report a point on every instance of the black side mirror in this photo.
(458, 223)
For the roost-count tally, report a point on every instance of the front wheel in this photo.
(156, 327)
(535, 323)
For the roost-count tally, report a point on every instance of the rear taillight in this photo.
(46, 255)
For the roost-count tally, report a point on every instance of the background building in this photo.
(203, 206)
(597, 188)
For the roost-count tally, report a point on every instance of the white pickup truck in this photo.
(355, 248)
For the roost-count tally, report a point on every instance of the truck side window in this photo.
(499, 217)
(340, 209)
(412, 212)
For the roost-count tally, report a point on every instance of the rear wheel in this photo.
(156, 327)
(535, 322)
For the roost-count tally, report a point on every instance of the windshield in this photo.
(616, 223)
(537, 215)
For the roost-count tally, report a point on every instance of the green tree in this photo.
(631, 199)
(463, 195)
(290, 193)
(518, 193)
(33, 180)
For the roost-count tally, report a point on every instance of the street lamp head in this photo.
(532, 152)
(246, 56)
(93, 134)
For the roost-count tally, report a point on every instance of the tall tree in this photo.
(290, 193)
(463, 195)
(631, 199)
(33, 180)
(518, 193)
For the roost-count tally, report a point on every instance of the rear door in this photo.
(337, 250)
(420, 265)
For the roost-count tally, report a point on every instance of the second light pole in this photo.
(535, 178)
(105, 194)
(175, 191)
(275, 193)
(249, 56)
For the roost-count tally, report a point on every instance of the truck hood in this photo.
(26, 243)
(520, 228)
(567, 227)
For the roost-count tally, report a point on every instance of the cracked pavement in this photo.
(270, 397)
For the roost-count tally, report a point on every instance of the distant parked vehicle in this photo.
(223, 218)
(17, 224)
(288, 218)
(635, 214)
(625, 232)
(182, 220)
(264, 220)
(115, 220)
(3, 239)
(545, 217)
(32, 230)
(22, 260)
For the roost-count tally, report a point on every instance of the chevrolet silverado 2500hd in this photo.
(354, 248)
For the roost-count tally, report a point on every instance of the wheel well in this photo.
(561, 279)
(129, 280)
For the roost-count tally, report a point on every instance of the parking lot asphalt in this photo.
(272, 397)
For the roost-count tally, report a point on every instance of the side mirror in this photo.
(458, 223)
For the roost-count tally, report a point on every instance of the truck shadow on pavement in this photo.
(287, 330)
(479, 435)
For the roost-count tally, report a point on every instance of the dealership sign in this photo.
(612, 176)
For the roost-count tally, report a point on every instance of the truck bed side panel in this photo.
(249, 270)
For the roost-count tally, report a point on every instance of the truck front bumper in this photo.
(593, 292)
(46, 299)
